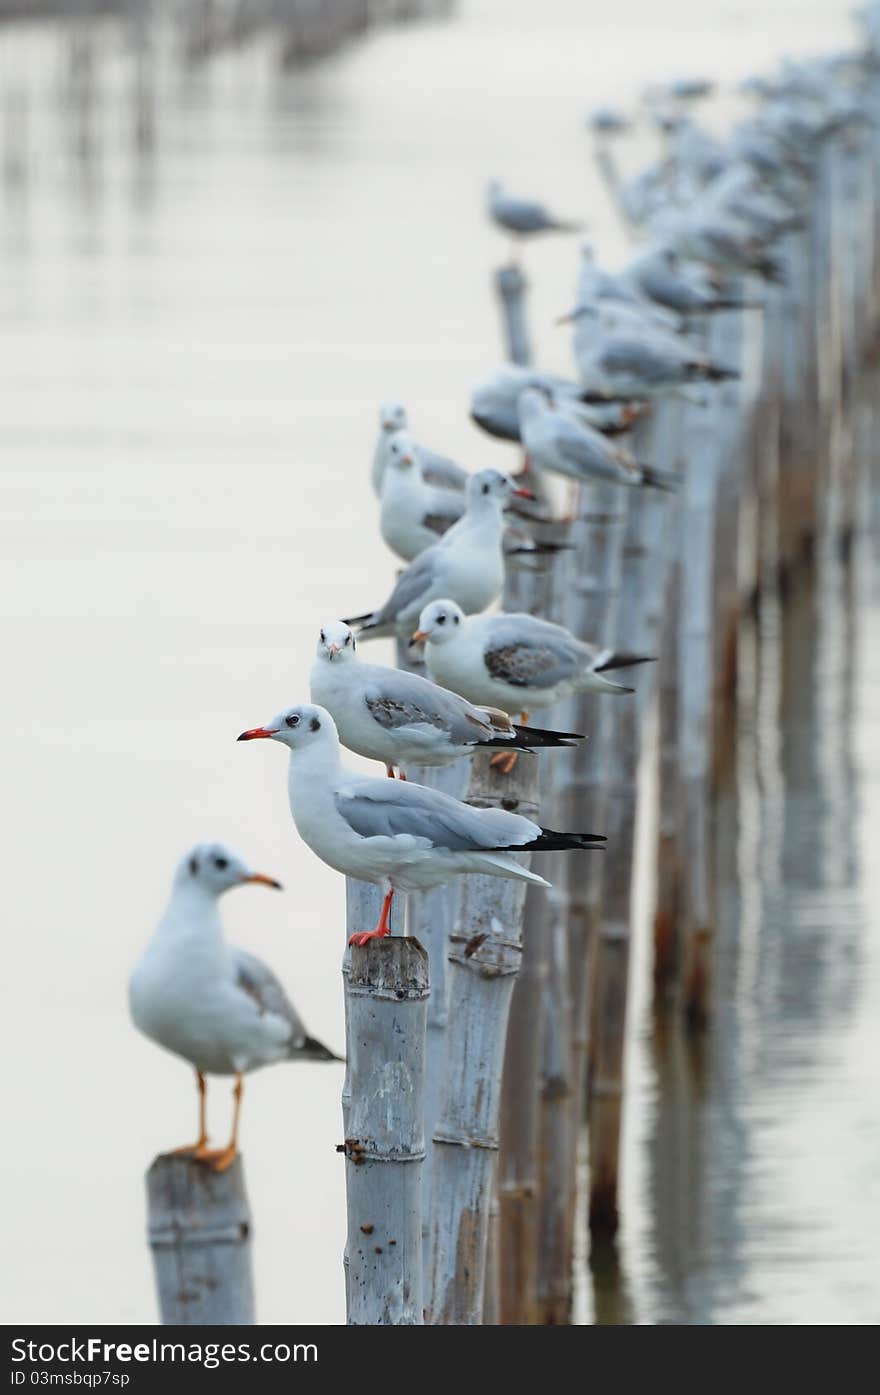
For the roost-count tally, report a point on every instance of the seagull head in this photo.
(392, 416)
(401, 451)
(214, 868)
(439, 622)
(488, 487)
(336, 642)
(301, 728)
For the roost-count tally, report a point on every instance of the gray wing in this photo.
(581, 444)
(440, 470)
(374, 811)
(650, 363)
(259, 982)
(408, 700)
(411, 586)
(524, 215)
(530, 653)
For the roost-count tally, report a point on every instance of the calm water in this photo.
(210, 281)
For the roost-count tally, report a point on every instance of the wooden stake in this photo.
(385, 1145)
(200, 1237)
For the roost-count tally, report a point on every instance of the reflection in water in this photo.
(760, 1139)
(213, 275)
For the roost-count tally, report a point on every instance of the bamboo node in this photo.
(463, 1140)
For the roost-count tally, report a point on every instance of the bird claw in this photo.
(218, 1159)
(363, 937)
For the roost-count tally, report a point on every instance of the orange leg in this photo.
(504, 761)
(381, 930)
(198, 1146)
(389, 771)
(219, 1159)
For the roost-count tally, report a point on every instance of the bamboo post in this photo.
(200, 1237)
(638, 621)
(385, 1145)
(363, 905)
(539, 593)
(510, 287)
(484, 958)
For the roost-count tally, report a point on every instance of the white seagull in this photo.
(516, 660)
(467, 563)
(522, 217)
(397, 717)
(553, 441)
(414, 514)
(620, 355)
(495, 402)
(398, 835)
(215, 1005)
(434, 468)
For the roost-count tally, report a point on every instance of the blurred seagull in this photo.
(619, 356)
(399, 835)
(414, 513)
(215, 1005)
(523, 217)
(554, 442)
(397, 717)
(435, 469)
(495, 402)
(467, 563)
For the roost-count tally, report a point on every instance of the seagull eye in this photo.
(348, 639)
(485, 489)
(455, 619)
(323, 637)
(221, 863)
(441, 619)
(292, 720)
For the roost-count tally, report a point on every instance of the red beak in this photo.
(255, 733)
(524, 494)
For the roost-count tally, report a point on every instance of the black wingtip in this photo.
(624, 660)
(530, 737)
(551, 841)
(358, 619)
(659, 479)
(317, 1051)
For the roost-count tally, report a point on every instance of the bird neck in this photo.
(482, 516)
(192, 913)
(312, 769)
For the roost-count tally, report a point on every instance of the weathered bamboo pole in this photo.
(385, 1146)
(539, 593)
(511, 287)
(590, 611)
(638, 621)
(363, 905)
(484, 958)
(200, 1237)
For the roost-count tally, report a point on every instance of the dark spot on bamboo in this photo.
(473, 944)
(378, 1250)
(367, 1229)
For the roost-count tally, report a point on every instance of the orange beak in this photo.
(256, 733)
(263, 880)
(523, 494)
(419, 637)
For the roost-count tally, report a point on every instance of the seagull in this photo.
(522, 217)
(621, 356)
(516, 660)
(397, 717)
(396, 834)
(467, 563)
(658, 275)
(414, 513)
(217, 1006)
(495, 402)
(435, 469)
(554, 442)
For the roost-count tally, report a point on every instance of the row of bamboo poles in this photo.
(486, 1047)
